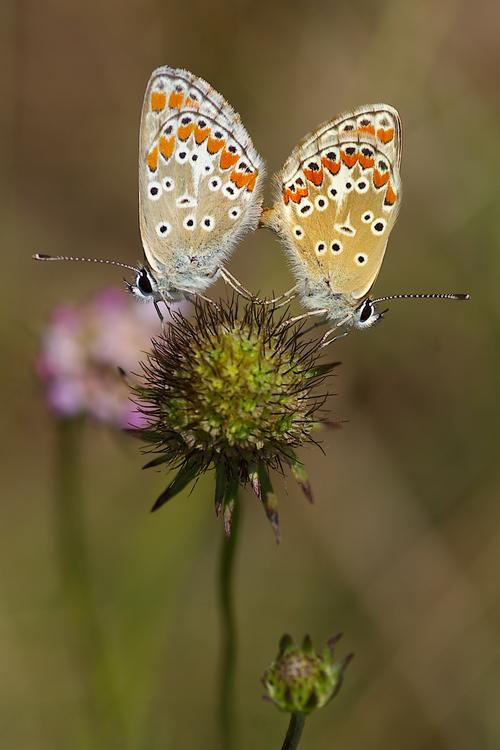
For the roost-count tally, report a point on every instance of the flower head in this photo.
(301, 679)
(234, 392)
(83, 348)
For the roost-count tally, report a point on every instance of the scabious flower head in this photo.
(300, 679)
(82, 349)
(234, 390)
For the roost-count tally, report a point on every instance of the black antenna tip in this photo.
(462, 296)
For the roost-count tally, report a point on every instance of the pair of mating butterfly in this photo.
(200, 190)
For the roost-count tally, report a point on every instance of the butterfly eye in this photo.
(154, 191)
(163, 228)
(189, 223)
(208, 223)
(168, 184)
(143, 284)
(361, 259)
(214, 184)
(320, 247)
(366, 311)
(321, 203)
(378, 226)
(337, 247)
(367, 217)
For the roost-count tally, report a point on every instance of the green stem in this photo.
(228, 632)
(294, 732)
(84, 628)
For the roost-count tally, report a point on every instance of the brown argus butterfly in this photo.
(339, 197)
(200, 184)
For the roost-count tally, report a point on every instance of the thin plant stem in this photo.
(228, 633)
(85, 634)
(294, 733)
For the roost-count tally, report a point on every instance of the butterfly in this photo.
(338, 200)
(200, 187)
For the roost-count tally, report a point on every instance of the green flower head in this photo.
(234, 390)
(301, 679)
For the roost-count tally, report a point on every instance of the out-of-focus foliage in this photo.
(402, 548)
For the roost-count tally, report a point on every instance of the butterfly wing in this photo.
(200, 178)
(340, 193)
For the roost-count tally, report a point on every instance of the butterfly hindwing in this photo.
(340, 195)
(199, 177)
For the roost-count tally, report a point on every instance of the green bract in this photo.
(233, 390)
(301, 679)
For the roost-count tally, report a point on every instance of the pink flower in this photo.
(82, 348)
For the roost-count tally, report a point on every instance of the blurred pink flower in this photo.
(82, 348)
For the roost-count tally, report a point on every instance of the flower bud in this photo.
(301, 679)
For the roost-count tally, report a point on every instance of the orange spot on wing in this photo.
(158, 100)
(314, 175)
(332, 166)
(167, 146)
(299, 194)
(349, 159)
(152, 159)
(366, 161)
(252, 181)
(286, 196)
(390, 196)
(215, 144)
(175, 100)
(184, 131)
(201, 134)
(385, 135)
(240, 179)
(227, 159)
(369, 129)
(191, 103)
(379, 179)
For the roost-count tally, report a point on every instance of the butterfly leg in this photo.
(238, 287)
(193, 296)
(159, 312)
(325, 341)
(298, 318)
(281, 300)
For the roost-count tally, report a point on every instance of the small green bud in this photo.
(301, 679)
(233, 390)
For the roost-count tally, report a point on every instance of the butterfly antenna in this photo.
(446, 295)
(41, 256)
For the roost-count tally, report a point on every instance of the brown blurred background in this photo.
(402, 549)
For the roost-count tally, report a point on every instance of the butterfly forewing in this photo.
(199, 176)
(340, 194)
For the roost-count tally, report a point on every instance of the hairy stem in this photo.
(228, 633)
(294, 733)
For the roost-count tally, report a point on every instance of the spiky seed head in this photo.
(236, 390)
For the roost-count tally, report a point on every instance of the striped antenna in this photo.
(41, 256)
(446, 295)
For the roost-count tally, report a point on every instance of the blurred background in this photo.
(402, 549)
